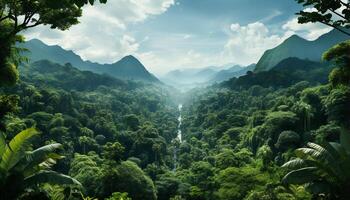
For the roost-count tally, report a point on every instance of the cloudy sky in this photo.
(174, 34)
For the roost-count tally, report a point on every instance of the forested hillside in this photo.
(301, 48)
(128, 68)
(103, 124)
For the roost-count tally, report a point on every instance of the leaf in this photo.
(51, 177)
(343, 159)
(345, 139)
(318, 187)
(38, 156)
(315, 152)
(295, 164)
(2, 144)
(16, 148)
(301, 176)
(335, 149)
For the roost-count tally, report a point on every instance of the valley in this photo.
(155, 119)
(226, 140)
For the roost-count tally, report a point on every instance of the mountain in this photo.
(189, 76)
(197, 77)
(286, 73)
(128, 68)
(298, 47)
(235, 71)
(66, 76)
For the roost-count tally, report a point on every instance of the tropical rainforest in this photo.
(74, 130)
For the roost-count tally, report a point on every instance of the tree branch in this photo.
(338, 14)
(27, 19)
(344, 4)
(335, 27)
(4, 18)
(33, 25)
(2, 11)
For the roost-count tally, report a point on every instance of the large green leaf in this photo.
(343, 160)
(335, 149)
(298, 163)
(38, 156)
(322, 159)
(301, 176)
(316, 153)
(345, 139)
(2, 144)
(51, 177)
(16, 148)
(318, 187)
(295, 164)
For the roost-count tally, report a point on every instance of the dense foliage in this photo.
(276, 135)
(101, 123)
(118, 137)
(333, 13)
(17, 16)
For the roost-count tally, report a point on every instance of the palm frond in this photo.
(16, 148)
(345, 139)
(45, 165)
(335, 149)
(316, 153)
(38, 156)
(316, 147)
(51, 177)
(295, 164)
(318, 187)
(2, 145)
(301, 176)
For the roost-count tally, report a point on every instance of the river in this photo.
(179, 119)
(179, 136)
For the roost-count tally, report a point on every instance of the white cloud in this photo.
(187, 36)
(310, 31)
(247, 43)
(102, 34)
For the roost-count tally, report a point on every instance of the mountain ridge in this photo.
(296, 46)
(127, 68)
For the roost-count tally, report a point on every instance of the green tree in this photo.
(333, 13)
(323, 170)
(340, 54)
(167, 186)
(17, 16)
(87, 171)
(127, 177)
(21, 169)
(119, 196)
(236, 183)
(113, 151)
(288, 139)
(132, 121)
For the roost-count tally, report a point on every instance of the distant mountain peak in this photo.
(128, 68)
(298, 47)
(130, 57)
(294, 38)
(36, 40)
